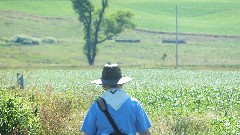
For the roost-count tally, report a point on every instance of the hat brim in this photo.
(123, 80)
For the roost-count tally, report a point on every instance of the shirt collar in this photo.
(115, 97)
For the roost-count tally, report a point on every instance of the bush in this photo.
(25, 40)
(56, 112)
(49, 40)
(3, 41)
(16, 116)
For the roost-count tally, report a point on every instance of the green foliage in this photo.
(49, 40)
(16, 116)
(95, 31)
(25, 40)
(55, 111)
(177, 101)
(3, 41)
(116, 23)
(84, 9)
(228, 124)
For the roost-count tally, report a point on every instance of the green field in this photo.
(41, 19)
(208, 17)
(177, 101)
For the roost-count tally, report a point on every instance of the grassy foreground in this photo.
(177, 101)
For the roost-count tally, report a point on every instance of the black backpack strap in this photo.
(103, 107)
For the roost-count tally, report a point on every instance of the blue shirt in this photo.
(130, 118)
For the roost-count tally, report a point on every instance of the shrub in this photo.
(55, 112)
(16, 116)
(3, 41)
(49, 40)
(25, 40)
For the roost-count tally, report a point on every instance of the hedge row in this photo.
(27, 40)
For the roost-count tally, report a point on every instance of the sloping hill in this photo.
(218, 17)
(155, 20)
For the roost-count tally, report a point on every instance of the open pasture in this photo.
(208, 17)
(177, 101)
(57, 19)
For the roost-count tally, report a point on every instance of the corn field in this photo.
(176, 101)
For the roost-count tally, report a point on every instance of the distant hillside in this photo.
(209, 17)
(155, 21)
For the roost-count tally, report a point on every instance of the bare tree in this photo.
(98, 27)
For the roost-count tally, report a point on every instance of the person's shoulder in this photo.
(134, 99)
(94, 105)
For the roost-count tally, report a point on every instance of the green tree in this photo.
(98, 27)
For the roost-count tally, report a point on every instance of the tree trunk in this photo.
(91, 59)
(91, 52)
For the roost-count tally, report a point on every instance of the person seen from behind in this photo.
(115, 112)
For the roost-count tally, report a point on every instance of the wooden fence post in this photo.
(20, 81)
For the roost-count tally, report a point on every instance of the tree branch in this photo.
(97, 28)
(106, 38)
(84, 19)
